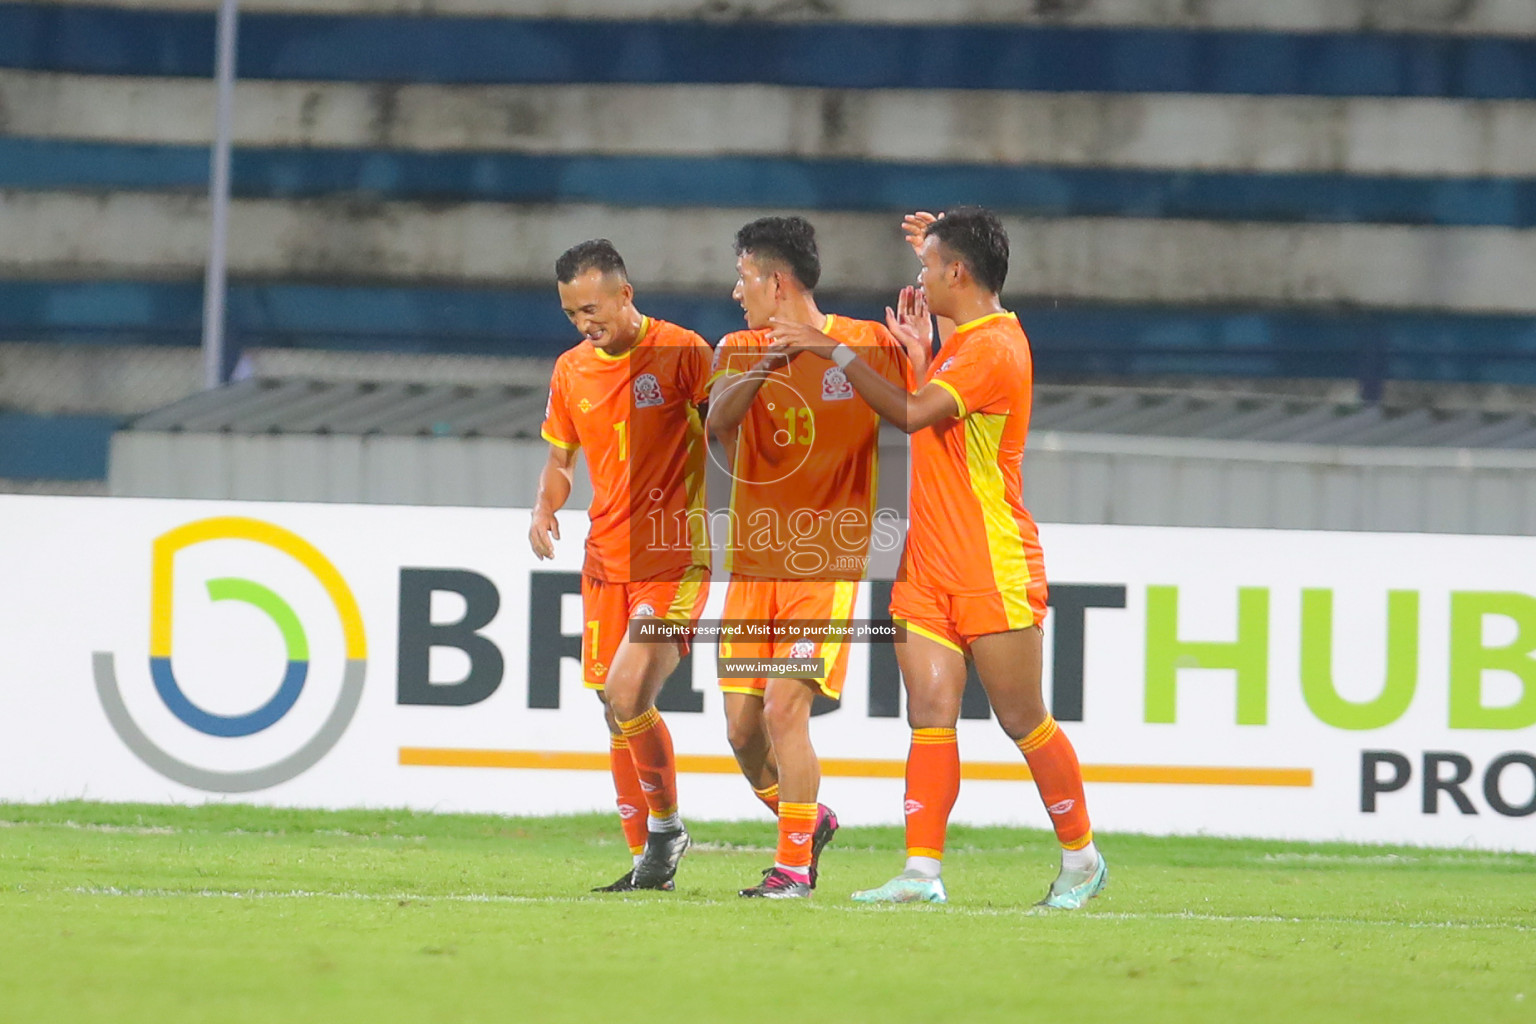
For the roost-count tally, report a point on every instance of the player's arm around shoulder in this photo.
(891, 400)
(892, 359)
(740, 368)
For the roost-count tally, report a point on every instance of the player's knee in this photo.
(784, 714)
(625, 707)
(608, 715)
(932, 710)
(1020, 721)
(744, 735)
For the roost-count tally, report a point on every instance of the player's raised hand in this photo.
(545, 526)
(791, 336)
(912, 325)
(915, 226)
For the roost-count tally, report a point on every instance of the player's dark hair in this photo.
(787, 240)
(976, 238)
(596, 254)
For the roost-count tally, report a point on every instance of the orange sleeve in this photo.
(698, 370)
(559, 429)
(733, 355)
(889, 357)
(977, 375)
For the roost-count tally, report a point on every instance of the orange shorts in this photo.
(606, 609)
(749, 599)
(954, 620)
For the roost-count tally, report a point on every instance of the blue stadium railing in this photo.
(763, 181)
(1032, 57)
(1069, 340)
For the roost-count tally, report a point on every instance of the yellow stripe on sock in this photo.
(1040, 737)
(933, 736)
(923, 851)
(1078, 844)
(635, 726)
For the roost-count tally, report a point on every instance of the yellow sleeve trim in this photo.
(715, 377)
(552, 439)
(947, 386)
(984, 319)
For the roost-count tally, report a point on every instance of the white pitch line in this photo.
(504, 898)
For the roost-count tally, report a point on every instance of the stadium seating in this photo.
(1237, 189)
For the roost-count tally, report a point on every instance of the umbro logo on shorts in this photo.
(645, 609)
(648, 391)
(802, 649)
(1062, 807)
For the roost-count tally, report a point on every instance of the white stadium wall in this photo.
(1461, 269)
(1318, 686)
(1145, 131)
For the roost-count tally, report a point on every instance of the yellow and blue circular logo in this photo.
(296, 674)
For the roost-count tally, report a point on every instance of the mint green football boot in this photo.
(1072, 889)
(907, 887)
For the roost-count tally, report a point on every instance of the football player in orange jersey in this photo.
(804, 453)
(629, 394)
(972, 583)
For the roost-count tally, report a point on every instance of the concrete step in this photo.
(65, 488)
(388, 367)
(46, 379)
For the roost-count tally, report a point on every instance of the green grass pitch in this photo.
(129, 913)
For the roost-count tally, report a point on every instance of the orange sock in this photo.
(797, 822)
(769, 797)
(650, 745)
(626, 783)
(1053, 763)
(933, 784)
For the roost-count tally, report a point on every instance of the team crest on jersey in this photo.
(835, 386)
(647, 391)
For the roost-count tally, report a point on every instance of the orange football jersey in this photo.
(636, 416)
(805, 474)
(970, 532)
